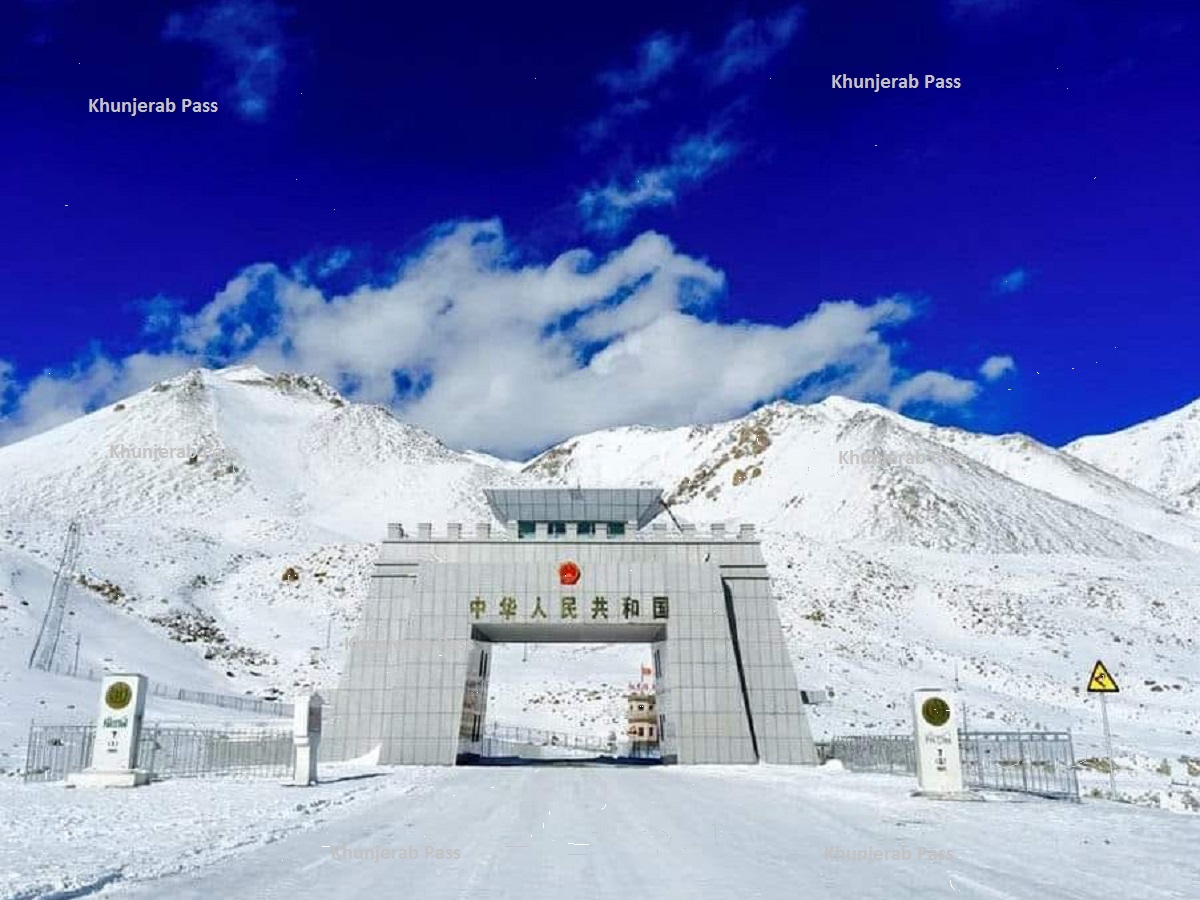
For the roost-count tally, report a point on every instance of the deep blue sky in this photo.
(1070, 155)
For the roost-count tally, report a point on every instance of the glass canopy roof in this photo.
(639, 505)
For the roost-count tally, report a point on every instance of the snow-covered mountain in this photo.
(1006, 561)
(241, 443)
(1161, 455)
(842, 470)
(1066, 477)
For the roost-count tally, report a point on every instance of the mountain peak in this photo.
(844, 404)
(243, 372)
(287, 382)
(1158, 455)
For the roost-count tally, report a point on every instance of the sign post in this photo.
(939, 765)
(1102, 683)
(118, 730)
(306, 736)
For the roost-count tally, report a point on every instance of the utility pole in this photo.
(46, 647)
(328, 632)
(963, 700)
(1112, 778)
(75, 665)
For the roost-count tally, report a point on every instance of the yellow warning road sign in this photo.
(1101, 681)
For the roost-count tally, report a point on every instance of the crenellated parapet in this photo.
(600, 531)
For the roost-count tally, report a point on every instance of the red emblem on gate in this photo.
(568, 573)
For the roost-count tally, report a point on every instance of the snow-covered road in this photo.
(705, 832)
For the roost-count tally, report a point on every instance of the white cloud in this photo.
(746, 47)
(247, 39)
(752, 43)
(996, 366)
(611, 207)
(7, 381)
(1012, 282)
(52, 398)
(600, 128)
(936, 388)
(513, 355)
(749, 45)
(334, 262)
(162, 314)
(656, 57)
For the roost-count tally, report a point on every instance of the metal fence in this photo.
(1037, 762)
(512, 740)
(255, 705)
(167, 751)
(516, 734)
(891, 753)
(1040, 763)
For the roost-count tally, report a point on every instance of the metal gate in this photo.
(1041, 763)
(167, 751)
(1033, 762)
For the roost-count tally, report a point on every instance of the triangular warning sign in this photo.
(1101, 682)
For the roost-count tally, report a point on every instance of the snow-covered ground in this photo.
(552, 832)
(70, 843)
